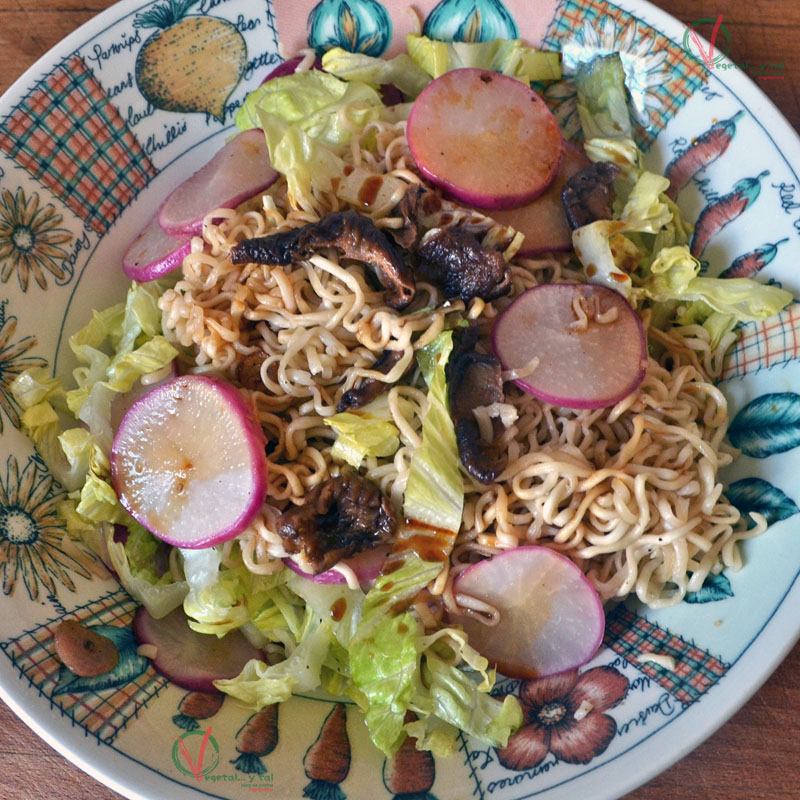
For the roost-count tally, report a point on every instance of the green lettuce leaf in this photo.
(604, 247)
(259, 684)
(674, 276)
(401, 70)
(321, 105)
(454, 697)
(715, 322)
(508, 56)
(439, 677)
(221, 600)
(43, 401)
(158, 598)
(385, 651)
(366, 431)
(308, 164)
(434, 492)
(117, 347)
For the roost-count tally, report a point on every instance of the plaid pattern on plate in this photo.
(103, 713)
(765, 344)
(695, 671)
(68, 135)
(686, 74)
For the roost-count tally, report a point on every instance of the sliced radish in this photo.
(366, 565)
(486, 138)
(239, 171)
(551, 617)
(542, 221)
(592, 367)
(154, 253)
(188, 462)
(192, 660)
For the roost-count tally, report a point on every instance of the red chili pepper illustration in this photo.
(717, 214)
(258, 737)
(747, 265)
(327, 761)
(197, 705)
(704, 150)
(410, 772)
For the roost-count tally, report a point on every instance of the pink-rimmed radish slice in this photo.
(154, 253)
(551, 617)
(593, 366)
(487, 139)
(542, 221)
(366, 565)
(192, 660)
(188, 462)
(239, 171)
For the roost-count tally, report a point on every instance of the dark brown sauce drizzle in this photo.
(368, 193)
(338, 609)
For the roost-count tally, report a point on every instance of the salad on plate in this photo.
(406, 389)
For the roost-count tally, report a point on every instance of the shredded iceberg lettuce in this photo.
(366, 431)
(160, 597)
(603, 98)
(401, 71)
(396, 669)
(508, 56)
(434, 493)
(321, 105)
(118, 346)
(643, 251)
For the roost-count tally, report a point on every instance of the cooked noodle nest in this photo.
(630, 493)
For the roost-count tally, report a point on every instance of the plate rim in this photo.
(141, 779)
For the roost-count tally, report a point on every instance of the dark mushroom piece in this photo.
(473, 380)
(368, 389)
(587, 196)
(454, 260)
(342, 516)
(248, 372)
(355, 235)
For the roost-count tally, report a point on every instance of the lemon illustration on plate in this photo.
(192, 62)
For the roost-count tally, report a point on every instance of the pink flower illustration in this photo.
(563, 715)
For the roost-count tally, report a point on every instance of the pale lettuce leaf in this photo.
(309, 165)
(366, 431)
(508, 56)
(260, 684)
(434, 493)
(158, 598)
(674, 276)
(321, 105)
(401, 71)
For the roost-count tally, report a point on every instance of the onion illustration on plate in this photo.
(360, 26)
(192, 62)
(470, 21)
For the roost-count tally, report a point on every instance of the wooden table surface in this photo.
(755, 755)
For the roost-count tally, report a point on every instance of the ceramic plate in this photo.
(95, 135)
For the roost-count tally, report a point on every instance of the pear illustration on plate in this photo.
(192, 62)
